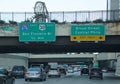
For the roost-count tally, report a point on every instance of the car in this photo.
(85, 70)
(35, 73)
(70, 70)
(18, 71)
(5, 77)
(54, 72)
(104, 70)
(46, 68)
(62, 70)
(76, 69)
(96, 72)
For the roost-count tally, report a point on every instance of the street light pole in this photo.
(95, 60)
(107, 10)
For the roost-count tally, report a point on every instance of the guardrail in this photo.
(62, 17)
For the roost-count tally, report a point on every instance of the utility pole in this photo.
(95, 60)
(107, 9)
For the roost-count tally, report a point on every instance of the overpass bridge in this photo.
(60, 58)
(9, 36)
(11, 44)
(9, 32)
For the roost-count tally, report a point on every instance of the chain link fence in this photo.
(65, 17)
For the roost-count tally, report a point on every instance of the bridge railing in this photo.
(69, 16)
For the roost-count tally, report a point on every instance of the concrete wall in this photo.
(114, 5)
(19, 54)
(106, 56)
(8, 61)
(64, 29)
(61, 55)
(118, 66)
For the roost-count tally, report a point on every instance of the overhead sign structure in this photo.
(36, 32)
(89, 32)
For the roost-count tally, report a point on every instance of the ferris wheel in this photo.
(41, 13)
(39, 8)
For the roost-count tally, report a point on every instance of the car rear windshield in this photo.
(19, 68)
(95, 70)
(53, 69)
(2, 71)
(34, 69)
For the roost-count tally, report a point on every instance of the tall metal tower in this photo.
(115, 5)
(41, 13)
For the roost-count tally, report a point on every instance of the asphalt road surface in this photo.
(75, 78)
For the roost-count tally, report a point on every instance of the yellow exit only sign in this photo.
(87, 38)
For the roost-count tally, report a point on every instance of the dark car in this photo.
(18, 71)
(5, 77)
(85, 71)
(62, 70)
(96, 72)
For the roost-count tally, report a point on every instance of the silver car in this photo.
(35, 73)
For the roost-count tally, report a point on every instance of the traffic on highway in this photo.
(57, 74)
(73, 77)
(41, 47)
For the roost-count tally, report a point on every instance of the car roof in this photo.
(85, 68)
(2, 68)
(34, 68)
(18, 66)
(95, 68)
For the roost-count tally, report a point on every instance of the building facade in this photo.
(114, 6)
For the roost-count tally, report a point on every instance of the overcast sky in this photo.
(52, 5)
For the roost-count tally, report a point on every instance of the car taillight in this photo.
(22, 72)
(27, 73)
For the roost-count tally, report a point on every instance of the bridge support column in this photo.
(95, 62)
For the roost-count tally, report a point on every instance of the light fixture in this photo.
(95, 53)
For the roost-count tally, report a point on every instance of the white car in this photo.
(75, 69)
(70, 70)
(54, 72)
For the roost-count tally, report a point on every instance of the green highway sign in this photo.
(95, 65)
(32, 32)
(89, 32)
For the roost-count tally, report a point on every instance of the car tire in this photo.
(23, 76)
(49, 75)
(3, 82)
(26, 79)
(59, 76)
(40, 79)
(101, 78)
(90, 77)
(13, 82)
(44, 79)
